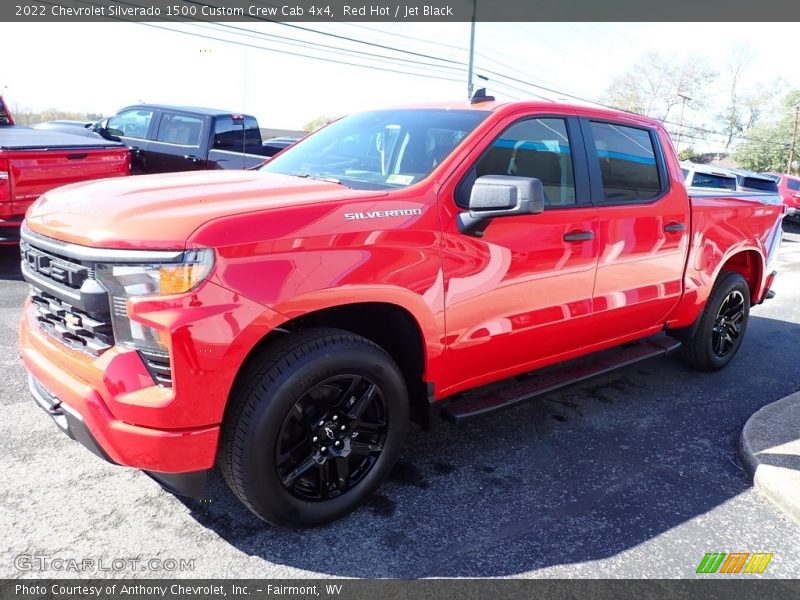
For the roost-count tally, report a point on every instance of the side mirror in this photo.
(496, 196)
(101, 128)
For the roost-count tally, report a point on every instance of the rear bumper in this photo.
(178, 458)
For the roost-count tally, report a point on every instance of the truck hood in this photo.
(160, 212)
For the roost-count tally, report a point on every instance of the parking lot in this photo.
(635, 474)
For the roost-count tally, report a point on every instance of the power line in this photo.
(383, 59)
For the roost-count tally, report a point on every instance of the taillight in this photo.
(5, 181)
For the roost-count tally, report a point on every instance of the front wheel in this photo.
(722, 325)
(314, 427)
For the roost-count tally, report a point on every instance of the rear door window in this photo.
(793, 185)
(181, 130)
(628, 165)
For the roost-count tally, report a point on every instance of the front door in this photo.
(520, 296)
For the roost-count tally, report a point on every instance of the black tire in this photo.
(722, 325)
(278, 407)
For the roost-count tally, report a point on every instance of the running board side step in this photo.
(514, 391)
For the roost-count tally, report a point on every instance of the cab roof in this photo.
(497, 106)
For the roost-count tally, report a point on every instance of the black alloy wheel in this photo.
(728, 323)
(715, 338)
(314, 425)
(331, 437)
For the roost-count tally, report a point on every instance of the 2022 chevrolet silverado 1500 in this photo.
(167, 139)
(285, 323)
(33, 161)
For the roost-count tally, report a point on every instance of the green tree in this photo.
(318, 122)
(768, 144)
(688, 154)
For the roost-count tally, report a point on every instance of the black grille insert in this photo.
(90, 332)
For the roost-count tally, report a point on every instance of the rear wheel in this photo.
(314, 427)
(723, 323)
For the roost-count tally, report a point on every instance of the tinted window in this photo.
(709, 180)
(793, 184)
(627, 162)
(534, 148)
(378, 150)
(183, 130)
(759, 185)
(131, 123)
(228, 133)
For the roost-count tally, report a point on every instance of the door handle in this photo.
(191, 158)
(578, 236)
(673, 227)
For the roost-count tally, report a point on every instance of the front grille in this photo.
(59, 269)
(72, 307)
(90, 332)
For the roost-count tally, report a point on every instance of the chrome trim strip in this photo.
(235, 153)
(99, 255)
(50, 286)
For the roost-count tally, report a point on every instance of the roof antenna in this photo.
(480, 96)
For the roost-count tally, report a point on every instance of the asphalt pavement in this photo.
(635, 474)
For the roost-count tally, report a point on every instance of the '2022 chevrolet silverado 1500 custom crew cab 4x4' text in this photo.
(285, 323)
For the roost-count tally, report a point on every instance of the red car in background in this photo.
(34, 161)
(789, 188)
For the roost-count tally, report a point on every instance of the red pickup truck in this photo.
(420, 262)
(34, 161)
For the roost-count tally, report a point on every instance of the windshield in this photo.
(379, 150)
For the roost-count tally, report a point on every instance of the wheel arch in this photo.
(391, 326)
(749, 263)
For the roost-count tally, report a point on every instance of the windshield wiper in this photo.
(317, 177)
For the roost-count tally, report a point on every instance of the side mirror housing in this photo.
(101, 128)
(494, 196)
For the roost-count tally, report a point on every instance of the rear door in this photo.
(520, 295)
(643, 228)
(178, 143)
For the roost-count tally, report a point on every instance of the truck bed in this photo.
(23, 138)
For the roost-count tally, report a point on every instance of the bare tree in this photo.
(733, 117)
(654, 86)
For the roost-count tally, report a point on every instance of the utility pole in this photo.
(684, 99)
(471, 50)
(794, 139)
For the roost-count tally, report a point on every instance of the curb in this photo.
(770, 449)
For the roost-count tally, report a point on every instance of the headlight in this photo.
(125, 281)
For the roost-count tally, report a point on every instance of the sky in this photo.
(101, 67)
